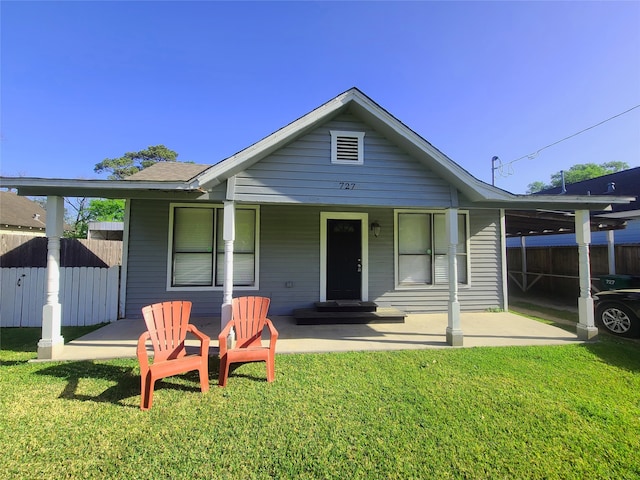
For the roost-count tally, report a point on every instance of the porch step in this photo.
(310, 316)
(346, 306)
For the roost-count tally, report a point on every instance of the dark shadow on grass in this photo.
(619, 352)
(235, 366)
(126, 379)
(127, 384)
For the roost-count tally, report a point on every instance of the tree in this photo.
(537, 186)
(132, 162)
(96, 210)
(578, 173)
(77, 217)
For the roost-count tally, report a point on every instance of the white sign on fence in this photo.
(88, 295)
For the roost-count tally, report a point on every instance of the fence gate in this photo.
(88, 295)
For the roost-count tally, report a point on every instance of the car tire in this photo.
(618, 320)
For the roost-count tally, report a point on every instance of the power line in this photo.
(533, 155)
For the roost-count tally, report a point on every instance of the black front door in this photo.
(344, 259)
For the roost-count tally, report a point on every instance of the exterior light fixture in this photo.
(375, 228)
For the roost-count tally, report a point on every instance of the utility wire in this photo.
(533, 155)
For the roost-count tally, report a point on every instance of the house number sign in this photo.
(347, 186)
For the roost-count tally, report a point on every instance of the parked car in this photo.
(618, 311)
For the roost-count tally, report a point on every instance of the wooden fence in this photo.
(88, 295)
(26, 251)
(554, 270)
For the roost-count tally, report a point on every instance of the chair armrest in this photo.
(273, 333)
(222, 338)
(204, 339)
(141, 351)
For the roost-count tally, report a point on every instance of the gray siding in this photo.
(484, 290)
(147, 263)
(290, 252)
(486, 264)
(302, 173)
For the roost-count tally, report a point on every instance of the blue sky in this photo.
(84, 81)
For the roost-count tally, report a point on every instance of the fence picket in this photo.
(87, 295)
(7, 310)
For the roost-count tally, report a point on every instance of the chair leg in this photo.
(271, 369)
(146, 391)
(224, 371)
(204, 377)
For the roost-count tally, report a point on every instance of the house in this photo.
(21, 216)
(346, 204)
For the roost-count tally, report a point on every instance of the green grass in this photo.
(560, 412)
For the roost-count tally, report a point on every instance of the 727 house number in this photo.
(347, 186)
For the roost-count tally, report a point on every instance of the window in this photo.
(196, 247)
(421, 249)
(347, 148)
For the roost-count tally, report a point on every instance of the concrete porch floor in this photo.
(420, 331)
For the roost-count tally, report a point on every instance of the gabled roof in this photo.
(188, 181)
(363, 107)
(17, 211)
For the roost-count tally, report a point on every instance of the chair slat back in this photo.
(249, 318)
(167, 323)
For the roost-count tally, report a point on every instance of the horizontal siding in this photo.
(484, 291)
(147, 264)
(486, 264)
(290, 255)
(302, 173)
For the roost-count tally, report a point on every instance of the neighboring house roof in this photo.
(169, 171)
(174, 180)
(624, 182)
(20, 212)
(105, 230)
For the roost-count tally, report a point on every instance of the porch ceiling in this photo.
(529, 223)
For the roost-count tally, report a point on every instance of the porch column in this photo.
(454, 332)
(586, 328)
(228, 235)
(51, 344)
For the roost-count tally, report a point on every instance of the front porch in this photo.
(419, 331)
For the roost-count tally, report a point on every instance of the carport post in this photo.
(454, 332)
(51, 344)
(586, 328)
(611, 252)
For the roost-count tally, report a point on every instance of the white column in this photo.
(503, 255)
(586, 328)
(454, 331)
(523, 258)
(228, 235)
(611, 252)
(51, 344)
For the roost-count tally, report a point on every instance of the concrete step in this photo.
(310, 316)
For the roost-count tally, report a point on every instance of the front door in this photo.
(344, 259)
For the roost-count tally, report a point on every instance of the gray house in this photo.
(346, 205)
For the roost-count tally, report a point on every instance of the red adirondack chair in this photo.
(249, 319)
(167, 328)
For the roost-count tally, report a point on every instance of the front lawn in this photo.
(510, 412)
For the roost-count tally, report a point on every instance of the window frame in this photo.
(432, 285)
(359, 136)
(217, 208)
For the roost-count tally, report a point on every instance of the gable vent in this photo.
(347, 147)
